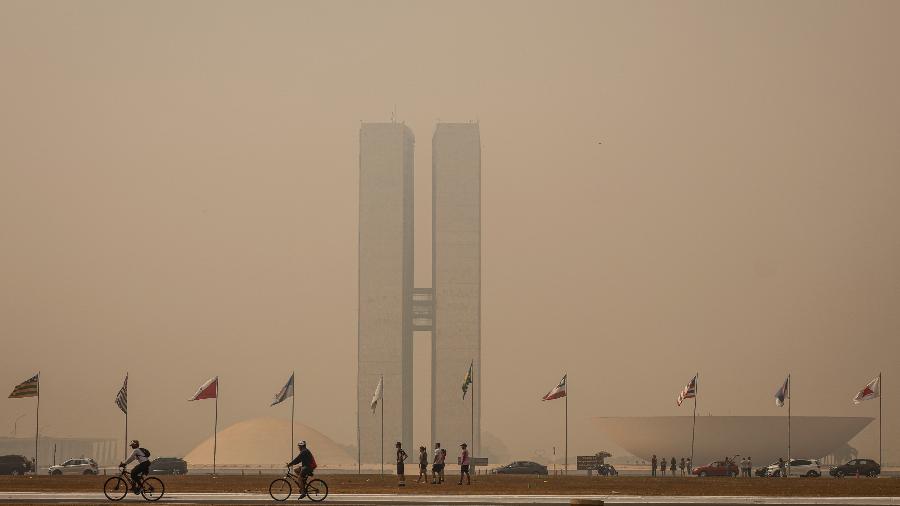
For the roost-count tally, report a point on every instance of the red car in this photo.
(717, 468)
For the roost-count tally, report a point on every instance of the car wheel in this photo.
(839, 474)
(56, 472)
(732, 474)
(872, 474)
(812, 474)
(703, 474)
(88, 472)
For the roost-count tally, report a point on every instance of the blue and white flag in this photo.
(783, 392)
(286, 391)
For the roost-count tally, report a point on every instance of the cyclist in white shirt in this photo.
(142, 468)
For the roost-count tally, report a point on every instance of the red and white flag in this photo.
(558, 391)
(870, 391)
(208, 390)
(689, 391)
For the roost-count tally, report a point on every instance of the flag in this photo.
(379, 393)
(870, 391)
(467, 380)
(286, 391)
(208, 390)
(122, 397)
(689, 391)
(783, 392)
(28, 388)
(558, 391)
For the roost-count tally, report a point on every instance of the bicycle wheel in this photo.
(153, 489)
(280, 489)
(316, 490)
(115, 488)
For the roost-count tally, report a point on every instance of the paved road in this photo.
(384, 499)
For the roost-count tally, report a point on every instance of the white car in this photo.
(75, 466)
(798, 467)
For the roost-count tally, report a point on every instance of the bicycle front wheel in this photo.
(317, 490)
(280, 489)
(115, 488)
(153, 489)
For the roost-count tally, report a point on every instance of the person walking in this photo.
(749, 467)
(681, 466)
(662, 467)
(443, 462)
(464, 462)
(401, 459)
(672, 466)
(423, 465)
(653, 465)
(437, 466)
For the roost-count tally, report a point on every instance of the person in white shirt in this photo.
(142, 457)
(437, 466)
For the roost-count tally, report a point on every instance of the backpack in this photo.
(312, 462)
(146, 452)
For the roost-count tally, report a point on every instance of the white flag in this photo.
(870, 391)
(379, 392)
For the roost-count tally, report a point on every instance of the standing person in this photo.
(749, 467)
(443, 462)
(653, 465)
(690, 465)
(662, 467)
(423, 465)
(401, 458)
(681, 466)
(781, 466)
(672, 466)
(464, 465)
(142, 456)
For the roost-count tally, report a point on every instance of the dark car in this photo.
(717, 468)
(14, 464)
(607, 470)
(168, 465)
(521, 467)
(856, 467)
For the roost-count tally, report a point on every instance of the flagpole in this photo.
(790, 387)
(880, 397)
(293, 402)
(216, 427)
(126, 410)
(382, 424)
(566, 451)
(473, 413)
(694, 425)
(37, 426)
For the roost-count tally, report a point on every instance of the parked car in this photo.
(14, 464)
(798, 467)
(717, 468)
(521, 467)
(168, 465)
(607, 470)
(856, 467)
(762, 472)
(74, 466)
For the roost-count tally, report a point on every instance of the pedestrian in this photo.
(662, 466)
(443, 462)
(653, 465)
(749, 467)
(401, 458)
(781, 465)
(681, 466)
(437, 465)
(423, 465)
(463, 461)
(672, 466)
(743, 466)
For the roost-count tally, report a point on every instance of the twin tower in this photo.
(392, 309)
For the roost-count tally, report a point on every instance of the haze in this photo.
(178, 199)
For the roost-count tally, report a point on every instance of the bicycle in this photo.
(117, 487)
(280, 489)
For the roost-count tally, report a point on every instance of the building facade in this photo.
(385, 286)
(456, 284)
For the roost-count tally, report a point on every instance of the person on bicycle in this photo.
(307, 465)
(142, 456)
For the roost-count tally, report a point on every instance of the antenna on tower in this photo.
(394, 114)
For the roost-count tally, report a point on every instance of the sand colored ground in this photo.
(372, 484)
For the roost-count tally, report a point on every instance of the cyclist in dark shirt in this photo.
(307, 465)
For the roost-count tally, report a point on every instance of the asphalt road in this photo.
(383, 499)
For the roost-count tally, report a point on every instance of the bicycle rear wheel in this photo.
(153, 489)
(115, 488)
(280, 489)
(316, 490)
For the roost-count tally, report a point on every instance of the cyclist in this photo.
(142, 456)
(307, 466)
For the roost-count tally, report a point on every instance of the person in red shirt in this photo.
(464, 463)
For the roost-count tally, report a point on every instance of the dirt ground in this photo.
(624, 485)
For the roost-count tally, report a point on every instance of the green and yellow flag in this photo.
(468, 380)
(27, 388)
